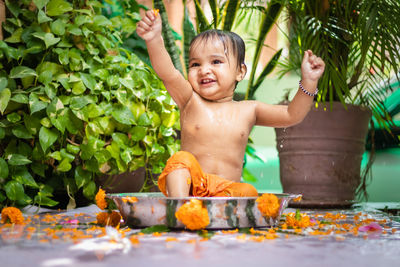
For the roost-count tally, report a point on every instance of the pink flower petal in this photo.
(71, 222)
(372, 227)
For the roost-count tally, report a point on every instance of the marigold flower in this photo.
(134, 240)
(101, 199)
(193, 215)
(107, 218)
(156, 11)
(129, 199)
(268, 204)
(297, 199)
(302, 222)
(12, 215)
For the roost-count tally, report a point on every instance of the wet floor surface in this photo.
(361, 236)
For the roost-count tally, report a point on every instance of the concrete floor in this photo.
(188, 248)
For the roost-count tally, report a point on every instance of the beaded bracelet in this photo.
(307, 92)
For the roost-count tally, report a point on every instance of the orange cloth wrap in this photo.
(203, 184)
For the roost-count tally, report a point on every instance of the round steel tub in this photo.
(224, 212)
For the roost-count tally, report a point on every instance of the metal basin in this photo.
(224, 212)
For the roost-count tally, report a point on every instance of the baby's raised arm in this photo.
(149, 29)
(312, 69)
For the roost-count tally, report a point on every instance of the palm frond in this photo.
(168, 37)
(229, 14)
(202, 22)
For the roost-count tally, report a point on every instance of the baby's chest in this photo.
(215, 127)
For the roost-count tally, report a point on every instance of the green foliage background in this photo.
(74, 104)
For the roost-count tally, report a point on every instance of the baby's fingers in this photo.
(319, 63)
(143, 26)
(152, 14)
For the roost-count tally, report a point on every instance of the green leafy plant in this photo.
(74, 104)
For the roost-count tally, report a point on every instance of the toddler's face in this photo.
(213, 72)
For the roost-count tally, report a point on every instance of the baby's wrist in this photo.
(309, 87)
(156, 40)
(309, 82)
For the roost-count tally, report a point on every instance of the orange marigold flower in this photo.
(134, 240)
(171, 239)
(12, 215)
(106, 218)
(193, 215)
(297, 199)
(101, 199)
(302, 221)
(156, 11)
(129, 199)
(268, 204)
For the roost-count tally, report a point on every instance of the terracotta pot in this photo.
(321, 157)
(2, 17)
(127, 182)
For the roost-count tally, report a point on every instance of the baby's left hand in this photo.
(312, 66)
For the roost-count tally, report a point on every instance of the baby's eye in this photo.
(216, 61)
(194, 65)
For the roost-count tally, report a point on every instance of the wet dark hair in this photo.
(230, 40)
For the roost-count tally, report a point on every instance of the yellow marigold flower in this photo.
(268, 204)
(12, 215)
(101, 199)
(106, 218)
(193, 215)
(156, 11)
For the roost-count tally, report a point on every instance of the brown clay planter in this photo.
(2, 17)
(321, 157)
(127, 182)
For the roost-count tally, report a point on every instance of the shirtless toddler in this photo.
(214, 128)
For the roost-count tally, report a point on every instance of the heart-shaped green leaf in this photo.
(18, 159)
(47, 137)
(3, 169)
(14, 190)
(21, 72)
(58, 7)
(40, 3)
(4, 99)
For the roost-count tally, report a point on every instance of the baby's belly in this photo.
(223, 166)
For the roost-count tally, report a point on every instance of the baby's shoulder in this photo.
(246, 104)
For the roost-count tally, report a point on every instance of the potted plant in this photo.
(359, 42)
(74, 104)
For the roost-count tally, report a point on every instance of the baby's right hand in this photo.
(150, 26)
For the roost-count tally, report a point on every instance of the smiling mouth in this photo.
(207, 81)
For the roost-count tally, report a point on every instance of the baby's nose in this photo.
(205, 69)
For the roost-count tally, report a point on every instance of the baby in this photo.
(214, 128)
